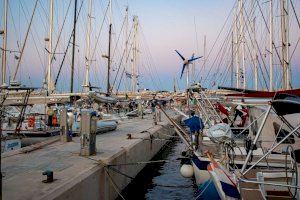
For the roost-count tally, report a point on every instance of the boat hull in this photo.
(200, 170)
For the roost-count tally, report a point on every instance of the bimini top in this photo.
(285, 104)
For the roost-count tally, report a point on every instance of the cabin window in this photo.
(282, 134)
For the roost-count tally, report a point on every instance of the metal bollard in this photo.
(155, 118)
(159, 115)
(140, 109)
(88, 128)
(65, 133)
(49, 175)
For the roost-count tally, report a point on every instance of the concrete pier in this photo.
(78, 177)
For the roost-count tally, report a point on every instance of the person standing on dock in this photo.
(153, 104)
(196, 126)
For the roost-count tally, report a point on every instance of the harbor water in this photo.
(162, 180)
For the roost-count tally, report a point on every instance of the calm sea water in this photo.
(162, 181)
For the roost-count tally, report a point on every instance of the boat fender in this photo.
(187, 171)
(54, 120)
(31, 122)
(71, 118)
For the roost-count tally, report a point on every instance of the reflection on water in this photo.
(163, 180)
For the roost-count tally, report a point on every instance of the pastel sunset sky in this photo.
(164, 25)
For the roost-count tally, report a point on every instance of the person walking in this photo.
(196, 126)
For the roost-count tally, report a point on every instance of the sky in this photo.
(164, 25)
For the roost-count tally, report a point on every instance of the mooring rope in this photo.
(113, 183)
(155, 184)
(141, 163)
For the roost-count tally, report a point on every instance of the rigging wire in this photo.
(126, 60)
(213, 46)
(25, 40)
(65, 53)
(264, 19)
(14, 25)
(150, 60)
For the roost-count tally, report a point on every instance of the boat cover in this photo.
(285, 104)
(219, 133)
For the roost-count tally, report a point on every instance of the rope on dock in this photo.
(113, 183)
(141, 162)
(159, 185)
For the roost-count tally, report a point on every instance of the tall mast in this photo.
(126, 45)
(87, 57)
(255, 57)
(237, 45)
(187, 75)
(73, 47)
(4, 45)
(193, 72)
(109, 49)
(135, 54)
(174, 82)
(49, 74)
(271, 43)
(204, 52)
(285, 43)
(242, 42)
(232, 57)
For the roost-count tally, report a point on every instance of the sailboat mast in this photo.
(87, 57)
(271, 43)
(109, 49)
(187, 75)
(135, 54)
(174, 82)
(242, 42)
(49, 74)
(73, 47)
(285, 44)
(204, 52)
(126, 45)
(237, 45)
(232, 57)
(193, 72)
(255, 57)
(4, 45)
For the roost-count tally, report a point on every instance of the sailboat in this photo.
(264, 152)
(43, 120)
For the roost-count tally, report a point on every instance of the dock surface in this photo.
(78, 177)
